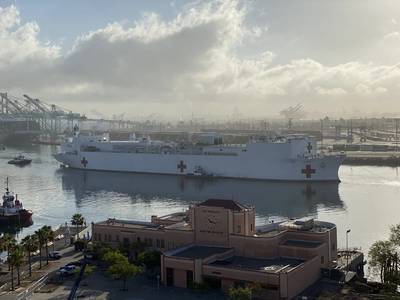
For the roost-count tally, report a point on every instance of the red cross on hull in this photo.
(308, 171)
(181, 166)
(84, 162)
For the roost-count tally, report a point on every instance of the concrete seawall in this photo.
(359, 158)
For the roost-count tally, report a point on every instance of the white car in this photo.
(55, 255)
(59, 237)
(67, 270)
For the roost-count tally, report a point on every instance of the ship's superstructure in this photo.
(292, 158)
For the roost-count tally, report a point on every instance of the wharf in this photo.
(369, 158)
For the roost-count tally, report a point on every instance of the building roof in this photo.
(274, 265)
(227, 204)
(199, 251)
(128, 224)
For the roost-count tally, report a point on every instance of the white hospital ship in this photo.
(291, 158)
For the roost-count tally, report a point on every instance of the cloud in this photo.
(193, 61)
(330, 92)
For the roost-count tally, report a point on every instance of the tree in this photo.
(150, 259)
(16, 260)
(89, 269)
(134, 249)
(8, 241)
(395, 235)
(30, 243)
(41, 233)
(48, 235)
(77, 220)
(380, 255)
(124, 270)
(240, 293)
(99, 249)
(51, 236)
(113, 256)
(120, 267)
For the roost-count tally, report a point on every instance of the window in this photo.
(162, 244)
(333, 247)
(239, 229)
(251, 227)
(117, 237)
(100, 237)
(126, 241)
(138, 239)
(322, 259)
(158, 243)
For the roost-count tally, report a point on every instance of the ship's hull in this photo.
(23, 217)
(324, 168)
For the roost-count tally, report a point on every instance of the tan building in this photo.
(217, 242)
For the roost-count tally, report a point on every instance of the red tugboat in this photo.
(12, 210)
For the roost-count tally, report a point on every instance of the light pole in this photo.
(347, 250)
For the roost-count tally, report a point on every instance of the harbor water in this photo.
(366, 201)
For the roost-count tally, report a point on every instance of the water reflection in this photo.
(284, 199)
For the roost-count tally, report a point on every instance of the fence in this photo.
(29, 291)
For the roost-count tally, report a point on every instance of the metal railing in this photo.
(29, 291)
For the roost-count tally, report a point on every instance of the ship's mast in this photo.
(7, 184)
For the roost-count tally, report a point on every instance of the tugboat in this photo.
(20, 160)
(12, 210)
(199, 172)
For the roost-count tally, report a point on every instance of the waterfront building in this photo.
(217, 242)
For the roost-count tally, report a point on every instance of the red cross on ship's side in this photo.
(308, 171)
(181, 166)
(84, 161)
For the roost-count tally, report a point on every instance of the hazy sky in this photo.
(210, 58)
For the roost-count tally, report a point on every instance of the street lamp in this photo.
(347, 250)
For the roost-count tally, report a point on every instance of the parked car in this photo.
(88, 255)
(67, 270)
(59, 237)
(55, 255)
(74, 263)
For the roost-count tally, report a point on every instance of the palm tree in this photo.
(49, 234)
(42, 240)
(16, 260)
(30, 244)
(77, 220)
(8, 242)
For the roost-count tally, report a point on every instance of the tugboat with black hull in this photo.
(12, 210)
